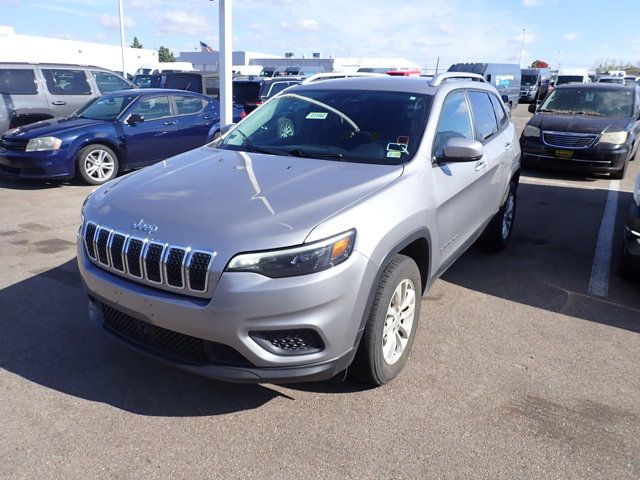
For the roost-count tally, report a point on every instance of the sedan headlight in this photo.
(615, 138)
(42, 144)
(531, 132)
(291, 262)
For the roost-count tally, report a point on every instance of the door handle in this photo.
(59, 102)
(480, 165)
(507, 145)
(170, 123)
(207, 117)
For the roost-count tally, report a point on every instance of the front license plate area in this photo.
(564, 154)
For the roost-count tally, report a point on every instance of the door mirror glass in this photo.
(462, 150)
(135, 118)
(532, 108)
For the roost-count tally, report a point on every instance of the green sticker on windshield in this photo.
(317, 115)
(394, 154)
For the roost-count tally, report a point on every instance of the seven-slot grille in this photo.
(168, 265)
(569, 139)
(13, 144)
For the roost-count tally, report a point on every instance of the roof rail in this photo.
(443, 77)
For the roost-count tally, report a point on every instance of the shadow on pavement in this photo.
(13, 183)
(46, 337)
(548, 263)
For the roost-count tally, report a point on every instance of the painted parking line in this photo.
(599, 281)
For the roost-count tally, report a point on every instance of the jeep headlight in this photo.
(42, 144)
(615, 138)
(290, 262)
(531, 132)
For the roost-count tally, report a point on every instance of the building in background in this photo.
(314, 63)
(29, 48)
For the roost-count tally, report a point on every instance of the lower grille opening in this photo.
(178, 346)
(289, 342)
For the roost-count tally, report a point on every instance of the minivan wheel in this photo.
(390, 329)
(97, 164)
(498, 233)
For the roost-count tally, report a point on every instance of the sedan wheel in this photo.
(97, 164)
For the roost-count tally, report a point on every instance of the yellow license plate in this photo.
(564, 153)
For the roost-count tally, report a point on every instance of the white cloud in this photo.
(570, 36)
(301, 24)
(532, 3)
(112, 22)
(183, 23)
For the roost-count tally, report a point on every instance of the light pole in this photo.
(225, 62)
(524, 32)
(121, 14)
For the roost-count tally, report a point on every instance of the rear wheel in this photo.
(498, 233)
(390, 329)
(97, 164)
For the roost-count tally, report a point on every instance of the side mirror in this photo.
(134, 119)
(533, 107)
(462, 150)
(223, 131)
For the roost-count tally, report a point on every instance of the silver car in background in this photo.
(300, 244)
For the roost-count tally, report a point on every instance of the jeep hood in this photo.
(230, 202)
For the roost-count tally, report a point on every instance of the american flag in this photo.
(205, 48)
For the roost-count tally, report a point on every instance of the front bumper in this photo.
(528, 96)
(632, 238)
(329, 303)
(49, 164)
(596, 159)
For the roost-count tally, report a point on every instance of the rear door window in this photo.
(484, 117)
(18, 82)
(454, 122)
(66, 82)
(277, 87)
(212, 86)
(108, 82)
(498, 108)
(186, 105)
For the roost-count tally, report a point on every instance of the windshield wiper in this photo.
(580, 112)
(249, 145)
(298, 152)
(569, 112)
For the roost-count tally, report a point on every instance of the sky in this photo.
(572, 32)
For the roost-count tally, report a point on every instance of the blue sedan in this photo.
(111, 134)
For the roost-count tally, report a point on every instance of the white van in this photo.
(572, 75)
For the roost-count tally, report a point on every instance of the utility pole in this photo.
(122, 45)
(524, 32)
(225, 62)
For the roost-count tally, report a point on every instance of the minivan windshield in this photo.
(350, 125)
(590, 101)
(106, 108)
(529, 80)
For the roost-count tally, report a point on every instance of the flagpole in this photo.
(122, 46)
(225, 62)
(524, 32)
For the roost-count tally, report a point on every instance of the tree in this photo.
(136, 43)
(165, 55)
(603, 65)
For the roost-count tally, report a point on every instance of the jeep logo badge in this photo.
(145, 227)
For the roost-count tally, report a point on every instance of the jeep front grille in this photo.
(162, 264)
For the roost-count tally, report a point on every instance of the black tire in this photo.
(369, 365)
(83, 164)
(498, 233)
(619, 174)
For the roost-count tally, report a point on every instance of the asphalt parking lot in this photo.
(525, 365)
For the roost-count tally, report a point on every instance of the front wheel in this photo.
(390, 329)
(498, 233)
(97, 164)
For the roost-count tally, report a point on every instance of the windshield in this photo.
(351, 125)
(191, 83)
(619, 81)
(529, 80)
(105, 108)
(245, 92)
(569, 79)
(587, 101)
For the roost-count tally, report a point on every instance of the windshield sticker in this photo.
(397, 147)
(316, 115)
(589, 97)
(394, 154)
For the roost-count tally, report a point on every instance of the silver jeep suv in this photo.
(300, 244)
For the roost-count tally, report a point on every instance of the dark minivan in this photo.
(252, 91)
(206, 83)
(504, 76)
(589, 127)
